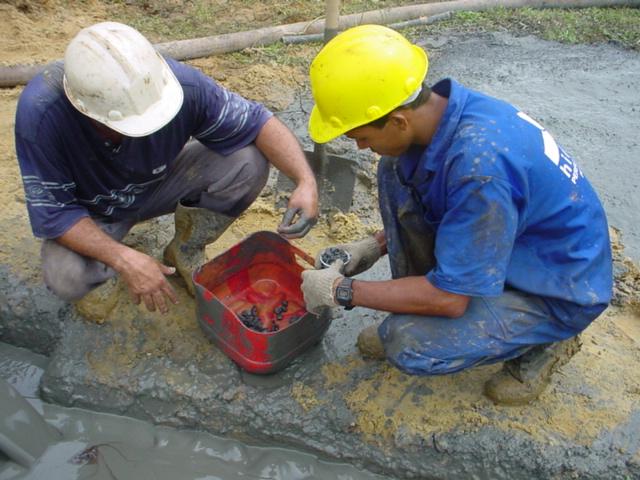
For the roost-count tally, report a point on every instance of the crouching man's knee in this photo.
(68, 275)
(253, 178)
(242, 184)
(410, 347)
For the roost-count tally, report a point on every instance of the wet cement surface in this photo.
(331, 402)
(90, 445)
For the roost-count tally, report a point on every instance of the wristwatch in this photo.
(344, 293)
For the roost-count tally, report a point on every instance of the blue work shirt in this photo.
(509, 206)
(70, 172)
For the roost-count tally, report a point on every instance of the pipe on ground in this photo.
(11, 76)
(317, 37)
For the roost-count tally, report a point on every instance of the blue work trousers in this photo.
(493, 329)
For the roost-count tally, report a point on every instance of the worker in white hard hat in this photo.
(117, 134)
(498, 245)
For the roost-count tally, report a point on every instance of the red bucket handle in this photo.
(302, 254)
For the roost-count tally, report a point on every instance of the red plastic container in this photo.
(261, 271)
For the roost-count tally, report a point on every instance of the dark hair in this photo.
(421, 99)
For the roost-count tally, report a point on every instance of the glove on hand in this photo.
(317, 287)
(364, 253)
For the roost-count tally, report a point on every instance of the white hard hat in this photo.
(114, 75)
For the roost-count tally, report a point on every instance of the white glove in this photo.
(318, 286)
(364, 253)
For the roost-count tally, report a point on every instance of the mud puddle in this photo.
(103, 446)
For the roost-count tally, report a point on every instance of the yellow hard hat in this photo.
(361, 75)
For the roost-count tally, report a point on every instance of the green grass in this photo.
(276, 53)
(163, 20)
(589, 25)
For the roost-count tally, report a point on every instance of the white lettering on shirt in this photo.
(554, 152)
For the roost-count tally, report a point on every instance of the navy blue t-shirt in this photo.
(509, 205)
(70, 172)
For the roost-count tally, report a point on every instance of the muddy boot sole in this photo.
(370, 345)
(100, 302)
(522, 380)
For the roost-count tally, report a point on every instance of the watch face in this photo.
(344, 293)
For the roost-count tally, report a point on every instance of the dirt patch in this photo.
(38, 32)
(627, 288)
(275, 86)
(577, 406)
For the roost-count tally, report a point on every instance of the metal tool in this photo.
(335, 174)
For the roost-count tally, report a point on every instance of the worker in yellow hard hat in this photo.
(497, 243)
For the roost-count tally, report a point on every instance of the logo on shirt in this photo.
(554, 153)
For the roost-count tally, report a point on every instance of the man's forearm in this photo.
(412, 295)
(283, 151)
(88, 239)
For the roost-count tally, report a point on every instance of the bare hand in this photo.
(145, 277)
(295, 224)
(302, 212)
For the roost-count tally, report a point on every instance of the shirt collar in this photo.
(420, 160)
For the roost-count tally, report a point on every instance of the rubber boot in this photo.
(195, 229)
(523, 379)
(100, 302)
(369, 343)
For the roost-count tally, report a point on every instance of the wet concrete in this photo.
(74, 444)
(30, 316)
(331, 402)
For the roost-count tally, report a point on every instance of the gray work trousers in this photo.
(199, 177)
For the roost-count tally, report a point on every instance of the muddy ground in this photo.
(330, 401)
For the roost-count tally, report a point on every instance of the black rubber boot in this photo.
(195, 229)
(523, 379)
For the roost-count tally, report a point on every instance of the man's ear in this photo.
(399, 120)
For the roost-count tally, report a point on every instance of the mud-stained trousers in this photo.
(493, 329)
(199, 177)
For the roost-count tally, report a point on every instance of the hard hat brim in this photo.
(320, 130)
